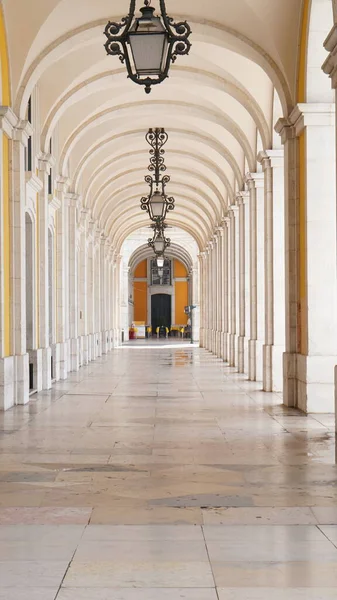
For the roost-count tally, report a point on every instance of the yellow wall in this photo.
(5, 100)
(179, 269)
(141, 269)
(181, 300)
(140, 301)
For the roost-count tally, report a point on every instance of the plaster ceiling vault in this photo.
(219, 105)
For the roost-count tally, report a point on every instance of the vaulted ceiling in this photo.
(218, 106)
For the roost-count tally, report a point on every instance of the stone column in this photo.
(252, 279)
(45, 164)
(232, 242)
(12, 204)
(117, 296)
(21, 134)
(317, 344)
(214, 292)
(91, 290)
(201, 283)
(207, 297)
(220, 293)
(72, 201)
(255, 183)
(104, 335)
(62, 185)
(245, 195)
(242, 283)
(84, 287)
(225, 289)
(273, 167)
(330, 68)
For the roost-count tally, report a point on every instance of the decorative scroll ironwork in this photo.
(157, 138)
(118, 44)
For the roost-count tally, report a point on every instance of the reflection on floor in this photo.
(163, 475)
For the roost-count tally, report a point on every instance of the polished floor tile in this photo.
(159, 472)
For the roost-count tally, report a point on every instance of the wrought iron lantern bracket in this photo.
(118, 43)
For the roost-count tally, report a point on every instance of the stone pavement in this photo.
(157, 473)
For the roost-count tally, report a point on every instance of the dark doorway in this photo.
(160, 311)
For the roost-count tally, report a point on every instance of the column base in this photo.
(85, 349)
(289, 379)
(225, 341)
(21, 379)
(267, 368)
(219, 343)
(252, 360)
(105, 342)
(273, 368)
(6, 383)
(259, 360)
(98, 338)
(232, 337)
(35, 364)
(63, 364)
(74, 354)
(55, 354)
(241, 354)
(316, 385)
(46, 368)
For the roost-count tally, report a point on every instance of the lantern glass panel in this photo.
(157, 205)
(159, 245)
(149, 45)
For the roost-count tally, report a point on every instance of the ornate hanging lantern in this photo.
(147, 44)
(159, 243)
(157, 203)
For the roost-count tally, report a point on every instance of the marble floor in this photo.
(158, 473)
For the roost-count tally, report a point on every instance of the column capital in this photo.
(330, 64)
(242, 197)
(62, 184)
(254, 180)
(285, 129)
(46, 162)
(233, 211)
(271, 158)
(84, 216)
(8, 120)
(22, 132)
(72, 200)
(91, 228)
(97, 234)
(54, 203)
(312, 114)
